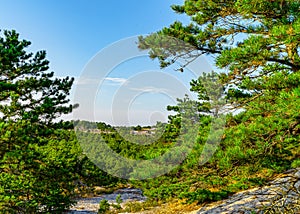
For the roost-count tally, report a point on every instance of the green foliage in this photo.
(257, 42)
(103, 206)
(137, 128)
(37, 157)
(296, 163)
(252, 39)
(119, 199)
(118, 202)
(202, 195)
(210, 93)
(132, 207)
(29, 91)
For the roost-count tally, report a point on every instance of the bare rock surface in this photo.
(282, 195)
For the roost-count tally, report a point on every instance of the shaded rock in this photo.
(280, 196)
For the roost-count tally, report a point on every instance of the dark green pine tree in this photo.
(257, 45)
(251, 39)
(36, 153)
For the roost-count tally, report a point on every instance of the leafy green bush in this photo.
(202, 195)
(103, 206)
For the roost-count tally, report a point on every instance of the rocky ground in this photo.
(282, 195)
(91, 205)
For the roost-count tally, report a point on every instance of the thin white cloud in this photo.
(116, 80)
(93, 81)
(150, 90)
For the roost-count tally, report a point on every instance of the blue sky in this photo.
(74, 31)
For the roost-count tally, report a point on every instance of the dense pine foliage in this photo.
(256, 43)
(40, 159)
(42, 164)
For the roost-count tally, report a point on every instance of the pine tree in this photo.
(252, 39)
(36, 154)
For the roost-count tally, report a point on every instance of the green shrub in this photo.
(103, 206)
(202, 195)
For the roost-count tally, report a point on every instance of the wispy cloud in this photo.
(93, 81)
(150, 90)
(115, 80)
